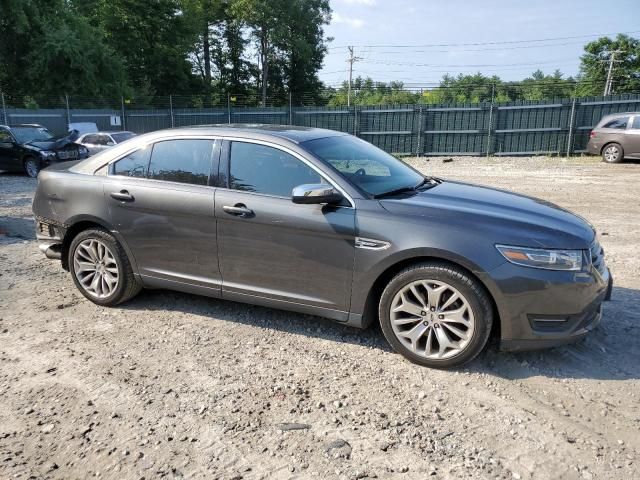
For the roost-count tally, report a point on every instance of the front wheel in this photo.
(436, 315)
(613, 153)
(100, 268)
(32, 167)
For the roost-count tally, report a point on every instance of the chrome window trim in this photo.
(304, 160)
(149, 143)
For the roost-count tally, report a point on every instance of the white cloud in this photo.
(368, 3)
(352, 22)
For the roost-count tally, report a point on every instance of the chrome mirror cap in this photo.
(315, 193)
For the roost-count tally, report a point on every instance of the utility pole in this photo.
(608, 86)
(351, 60)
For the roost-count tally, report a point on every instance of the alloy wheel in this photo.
(611, 153)
(432, 319)
(96, 268)
(32, 168)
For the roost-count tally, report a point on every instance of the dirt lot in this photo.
(177, 386)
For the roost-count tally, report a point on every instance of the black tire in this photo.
(128, 285)
(612, 153)
(31, 166)
(474, 293)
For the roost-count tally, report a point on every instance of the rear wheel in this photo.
(613, 153)
(436, 315)
(32, 166)
(100, 268)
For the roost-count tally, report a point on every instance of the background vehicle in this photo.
(616, 137)
(320, 222)
(99, 141)
(31, 147)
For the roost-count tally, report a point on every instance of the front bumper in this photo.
(542, 308)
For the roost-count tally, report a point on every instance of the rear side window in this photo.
(619, 123)
(133, 165)
(92, 139)
(184, 161)
(267, 170)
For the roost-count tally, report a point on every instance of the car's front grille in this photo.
(68, 154)
(597, 256)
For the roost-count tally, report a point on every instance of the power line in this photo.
(476, 44)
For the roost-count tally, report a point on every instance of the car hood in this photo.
(55, 143)
(508, 217)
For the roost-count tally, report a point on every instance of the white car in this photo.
(98, 141)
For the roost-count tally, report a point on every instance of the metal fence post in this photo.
(290, 109)
(493, 87)
(66, 98)
(418, 147)
(124, 118)
(572, 121)
(4, 109)
(171, 110)
(229, 108)
(355, 120)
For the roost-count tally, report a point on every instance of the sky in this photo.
(420, 25)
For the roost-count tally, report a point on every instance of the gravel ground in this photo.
(177, 386)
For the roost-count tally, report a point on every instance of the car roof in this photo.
(18, 125)
(107, 132)
(295, 134)
(621, 114)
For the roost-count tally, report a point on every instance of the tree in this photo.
(365, 91)
(289, 38)
(594, 65)
(152, 42)
(541, 87)
(46, 39)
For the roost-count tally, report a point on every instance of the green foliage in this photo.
(594, 65)
(365, 91)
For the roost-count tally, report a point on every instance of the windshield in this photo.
(31, 134)
(121, 137)
(369, 168)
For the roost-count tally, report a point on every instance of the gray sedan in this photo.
(323, 223)
(98, 141)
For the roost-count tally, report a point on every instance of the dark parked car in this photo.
(99, 141)
(31, 147)
(320, 222)
(616, 137)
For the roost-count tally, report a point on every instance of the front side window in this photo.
(133, 165)
(636, 123)
(184, 161)
(267, 170)
(90, 139)
(369, 168)
(102, 140)
(619, 123)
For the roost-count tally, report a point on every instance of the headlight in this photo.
(569, 260)
(82, 149)
(47, 154)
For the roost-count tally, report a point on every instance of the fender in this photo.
(76, 219)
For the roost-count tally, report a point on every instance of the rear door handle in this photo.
(123, 196)
(239, 210)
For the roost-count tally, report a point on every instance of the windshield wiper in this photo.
(425, 183)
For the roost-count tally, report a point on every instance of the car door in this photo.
(90, 141)
(632, 143)
(162, 203)
(8, 151)
(278, 250)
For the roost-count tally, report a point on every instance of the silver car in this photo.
(616, 137)
(98, 141)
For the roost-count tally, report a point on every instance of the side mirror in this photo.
(110, 144)
(316, 193)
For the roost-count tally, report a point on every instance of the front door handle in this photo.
(123, 196)
(239, 210)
